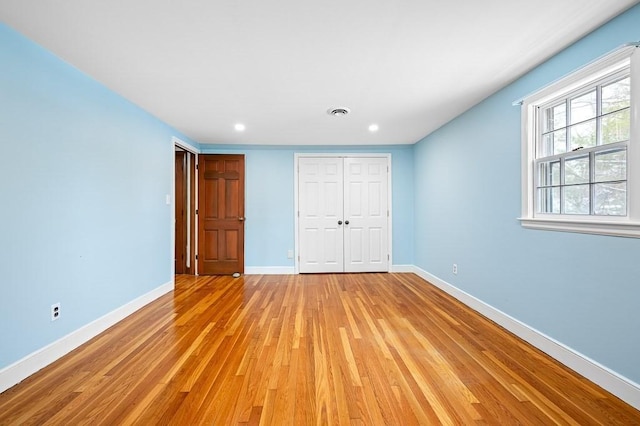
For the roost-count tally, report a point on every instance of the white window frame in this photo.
(623, 226)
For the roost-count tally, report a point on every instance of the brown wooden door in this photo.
(220, 214)
(181, 208)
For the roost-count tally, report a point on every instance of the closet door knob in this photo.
(346, 222)
(339, 222)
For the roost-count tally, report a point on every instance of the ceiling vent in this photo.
(338, 112)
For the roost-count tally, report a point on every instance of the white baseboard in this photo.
(399, 269)
(620, 386)
(290, 270)
(23, 368)
(269, 270)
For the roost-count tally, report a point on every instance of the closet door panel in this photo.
(320, 203)
(365, 210)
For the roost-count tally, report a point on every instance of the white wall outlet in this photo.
(167, 199)
(55, 311)
(289, 254)
(455, 269)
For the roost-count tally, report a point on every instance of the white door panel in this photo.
(366, 192)
(320, 198)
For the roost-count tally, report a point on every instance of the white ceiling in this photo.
(277, 66)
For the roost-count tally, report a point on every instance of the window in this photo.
(581, 150)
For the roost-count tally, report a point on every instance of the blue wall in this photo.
(270, 228)
(582, 290)
(83, 179)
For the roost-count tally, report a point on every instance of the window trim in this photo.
(621, 226)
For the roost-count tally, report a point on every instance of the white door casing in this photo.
(343, 213)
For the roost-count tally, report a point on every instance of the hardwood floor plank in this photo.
(346, 349)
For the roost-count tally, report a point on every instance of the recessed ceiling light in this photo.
(339, 111)
(239, 127)
(373, 128)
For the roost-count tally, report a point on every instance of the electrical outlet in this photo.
(289, 254)
(55, 311)
(455, 269)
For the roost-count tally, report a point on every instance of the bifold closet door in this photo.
(343, 214)
(320, 203)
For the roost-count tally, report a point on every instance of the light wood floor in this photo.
(365, 349)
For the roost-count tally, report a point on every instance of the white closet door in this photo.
(320, 202)
(366, 215)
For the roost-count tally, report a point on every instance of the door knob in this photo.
(339, 222)
(346, 222)
(241, 219)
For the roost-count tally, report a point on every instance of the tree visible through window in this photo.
(582, 153)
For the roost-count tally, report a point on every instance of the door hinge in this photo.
(196, 257)
(196, 211)
(197, 166)
(388, 257)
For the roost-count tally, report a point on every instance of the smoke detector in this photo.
(338, 112)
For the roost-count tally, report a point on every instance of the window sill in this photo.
(616, 229)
